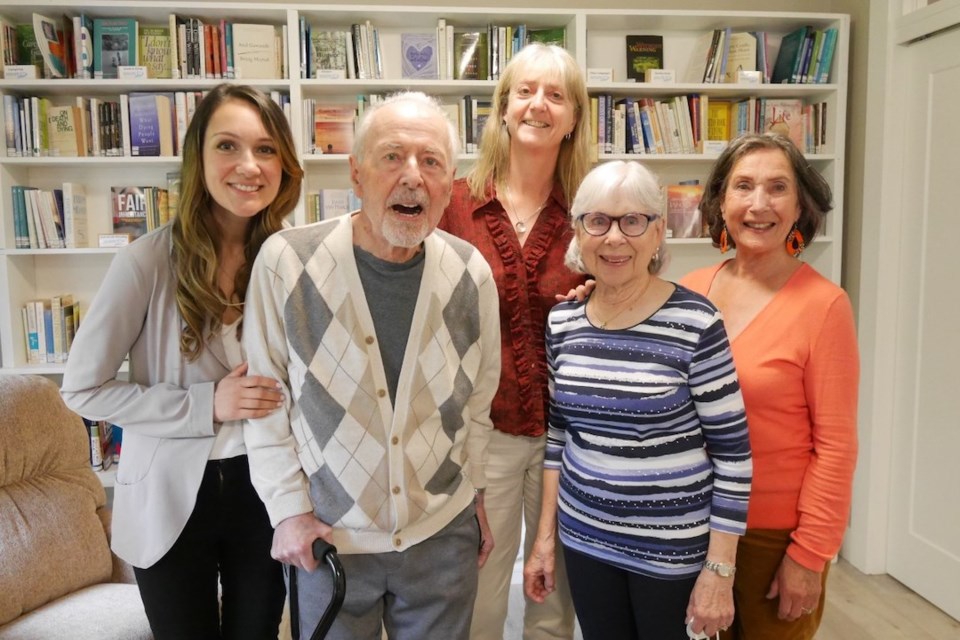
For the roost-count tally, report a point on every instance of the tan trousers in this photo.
(514, 487)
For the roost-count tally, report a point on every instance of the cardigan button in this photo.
(381, 393)
(369, 339)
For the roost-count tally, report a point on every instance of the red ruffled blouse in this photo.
(527, 280)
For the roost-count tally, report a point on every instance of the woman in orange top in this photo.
(793, 341)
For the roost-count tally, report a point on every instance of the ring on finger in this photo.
(806, 611)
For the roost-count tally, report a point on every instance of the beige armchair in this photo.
(58, 578)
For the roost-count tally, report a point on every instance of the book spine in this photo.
(33, 338)
(125, 125)
(9, 124)
(56, 321)
(96, 454)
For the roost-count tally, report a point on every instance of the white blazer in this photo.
(166, 408)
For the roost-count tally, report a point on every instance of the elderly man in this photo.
(386, 335)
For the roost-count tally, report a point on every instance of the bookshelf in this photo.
(595, 37)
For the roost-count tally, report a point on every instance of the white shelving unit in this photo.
(594, 37)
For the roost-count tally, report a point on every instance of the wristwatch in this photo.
(722, 569)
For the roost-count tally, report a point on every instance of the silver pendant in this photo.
(521, 227)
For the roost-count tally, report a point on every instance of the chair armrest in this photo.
(122, 571)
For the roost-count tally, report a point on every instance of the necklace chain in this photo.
(521, 224)
(602, 324)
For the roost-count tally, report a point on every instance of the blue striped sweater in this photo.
(648, 430)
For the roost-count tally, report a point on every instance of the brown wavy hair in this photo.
(200, 301)
(813, 191)
(573, 162)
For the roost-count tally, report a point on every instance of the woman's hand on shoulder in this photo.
(238, 396)
(579, 294)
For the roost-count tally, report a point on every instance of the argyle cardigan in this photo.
(385, 476)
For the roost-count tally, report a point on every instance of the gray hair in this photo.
(608, 180)
(428, 103)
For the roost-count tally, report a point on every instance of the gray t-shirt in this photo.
(391, 290)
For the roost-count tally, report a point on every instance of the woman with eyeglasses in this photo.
(648, 469)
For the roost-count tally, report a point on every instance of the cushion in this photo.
(52, 541)
(100, 612)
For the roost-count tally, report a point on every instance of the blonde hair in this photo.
(573, 161)
(194, 254)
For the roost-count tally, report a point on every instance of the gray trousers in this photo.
(422, 593)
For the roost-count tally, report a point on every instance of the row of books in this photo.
(805, 56)
(106, 441)
(686, 124)
(139, 210)
(441, 54)
(53, 219)
(49, 325)
(225, 50)
(136, 124)
(330, 203)
(721, 54)
(57, 219)
(83, 47)
(329, 127)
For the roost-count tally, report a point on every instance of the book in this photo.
(785, 116)
(643, 52)
(254, 51)
(470, 55)
(83, 45)
(547, 35)
(789, 57)
(718, 120)
(152, 124)
(328, 54)
(683, 210)
(337, 202)
(741, 55)
(114, 45)
(49, 35)
(419, 56)
(28, 52)
(65, 132)
(74, 215)
(697, 62)
(333, 128)
(826, 58)
(129, 206)
(155, 51)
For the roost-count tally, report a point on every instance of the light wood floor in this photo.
(879, 608)
(859, 607)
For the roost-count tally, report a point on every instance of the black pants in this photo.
(228, 536)
(614, 604)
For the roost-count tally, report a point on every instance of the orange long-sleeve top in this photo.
(799, 372)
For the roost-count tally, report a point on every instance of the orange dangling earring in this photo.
(795, 244)
(724, 240)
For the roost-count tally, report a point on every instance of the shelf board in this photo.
(15, 253)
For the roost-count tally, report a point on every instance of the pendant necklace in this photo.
(521, 224)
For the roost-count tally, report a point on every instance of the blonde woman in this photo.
(513, 208)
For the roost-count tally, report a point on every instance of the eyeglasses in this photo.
(631, 225)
